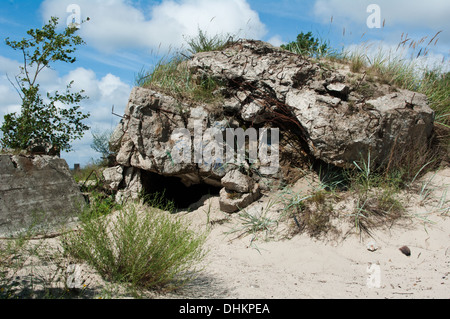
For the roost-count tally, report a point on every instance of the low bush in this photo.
(307, 45)
(141, 246)
(206, 43)
(315, 214)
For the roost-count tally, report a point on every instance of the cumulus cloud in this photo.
(103, 93)
(417, 20)
(429, 14)
(276, 40)
(118, 24)
(10, 100)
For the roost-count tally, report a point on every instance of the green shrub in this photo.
(205, 43)
(307, 45)
(146, 248)
(101, 204)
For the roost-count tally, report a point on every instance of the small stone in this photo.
(405, 250)
(231, 201)
(238, 182)
(339, 88)
(372, 246)
(113, 177)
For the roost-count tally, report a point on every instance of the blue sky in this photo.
(124, 36)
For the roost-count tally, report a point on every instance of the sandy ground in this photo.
(305, 268)
(337, 267)
(275, 265)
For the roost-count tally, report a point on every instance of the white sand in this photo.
(273, 267)
(302, 267)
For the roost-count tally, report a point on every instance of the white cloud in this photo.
(108, 91)
(117, 24)
(276, 40)
(7, 93)
(103, 94)
(417, 20)
(83, 80)
(112, 87)
(8, 66)
(428, 14)
(10, 100)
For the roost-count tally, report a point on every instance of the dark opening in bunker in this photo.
(174, 190)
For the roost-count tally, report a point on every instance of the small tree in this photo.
(306, 44)
(100, 144)
(53, 122)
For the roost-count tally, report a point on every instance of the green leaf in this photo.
(39, 122)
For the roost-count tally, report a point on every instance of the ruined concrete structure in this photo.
(36, 191)
(324, 112)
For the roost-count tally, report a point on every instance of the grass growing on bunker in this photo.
(203, 42)
(31, 267)
(172, 75)
(406, 68)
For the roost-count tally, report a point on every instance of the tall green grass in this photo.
(172, 76)
(436, 85)
(203, 42)
(139, 246)
(403, 67)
